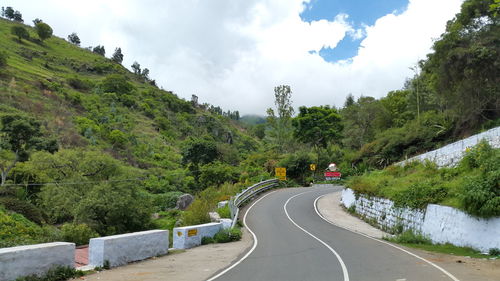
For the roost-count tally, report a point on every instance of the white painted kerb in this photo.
(125, 248)
(35, 259)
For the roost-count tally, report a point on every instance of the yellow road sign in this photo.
(280, 173)
(312, 167)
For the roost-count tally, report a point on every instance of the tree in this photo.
(116, 83)
(99, 50)
(8, 13)
(43, 30)
(136, 67)
(317, 125)
(36, 21)
(281, 133)
(74, 39)
(117, 56)
(20, 32)
(464, 65)
(19, 135)
(18, 16)
(145, 74)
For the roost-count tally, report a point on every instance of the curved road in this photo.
(295, 244)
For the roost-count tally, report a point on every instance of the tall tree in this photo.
(464, 65)
(280, 122)
(8, 12)
(18, 16)
(136, 67)
(317, 125)
(117, 56)
(43, 30)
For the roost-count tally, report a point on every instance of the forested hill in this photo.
(84, 139)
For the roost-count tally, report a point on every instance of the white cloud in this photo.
(232, 53)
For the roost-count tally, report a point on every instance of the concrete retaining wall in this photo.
(441, 224)
(451, 154)
(190, 236)
(34, 259)
(125, 248)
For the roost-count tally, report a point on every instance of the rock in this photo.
(222, 204)
(214, 216)
(226, 223)
(184, 201)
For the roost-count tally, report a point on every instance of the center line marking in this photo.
(342, 264)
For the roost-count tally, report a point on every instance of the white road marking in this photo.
(255, 241)
(342, 264)
(381, 241)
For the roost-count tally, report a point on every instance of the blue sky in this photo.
(361, 12)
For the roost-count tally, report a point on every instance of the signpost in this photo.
(280, 173)
(312, 167)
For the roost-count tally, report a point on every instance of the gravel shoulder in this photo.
(464, 268)
(194, 264)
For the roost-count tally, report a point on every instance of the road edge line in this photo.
(342, 264)
(255, 241)
(381, 241)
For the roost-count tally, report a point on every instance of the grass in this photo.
(418, 241)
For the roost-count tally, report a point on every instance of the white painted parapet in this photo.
(442, 224)
(125, 248)
(35, 259)
(190, 236)
(452, 153)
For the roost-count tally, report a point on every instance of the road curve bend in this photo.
(293, 243)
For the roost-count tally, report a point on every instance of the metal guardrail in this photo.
(247, 194)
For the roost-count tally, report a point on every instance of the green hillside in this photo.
(107, 140)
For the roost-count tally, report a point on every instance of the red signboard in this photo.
(332, 176)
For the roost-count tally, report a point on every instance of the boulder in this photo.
(184, 201)
(214, 216)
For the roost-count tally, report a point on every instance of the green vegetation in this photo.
(223, 236)
(418, 241)
(89, 148)
(472, 186)
(58, 273)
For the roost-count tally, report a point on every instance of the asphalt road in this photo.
(295, 244)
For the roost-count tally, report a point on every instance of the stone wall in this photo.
(441, 224)
(451, 154)
(383, 212)
(34, 259)
(125, 248)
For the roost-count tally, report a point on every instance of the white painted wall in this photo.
(451, 154)
(442, 224)
(190, 236)
(35, 259)
(446, 224)
(125, 248)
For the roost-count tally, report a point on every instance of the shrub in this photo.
(207, 240)
(3, 59)
(118, 84)
(57, 273)
(418, 195)
(409, 237)
(80, 84)
(482, 195)
(15, 230)
(227, 235)
(79, 234)
(197, 212)
(24, 208)
(165, 201)
(494, 252)
(224, 212)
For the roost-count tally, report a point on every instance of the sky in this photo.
(232, 53)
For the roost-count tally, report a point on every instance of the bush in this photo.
(418, 195)
(24, 208)
(3, 59)
(224, 212)
(409, 237)
(79, 84)
(494, 252)
(482, 195)
(165, 201)
(57, 273)
(15, 230)
(118, 84)
(227, 235)
(80, 234)
(207, 240)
